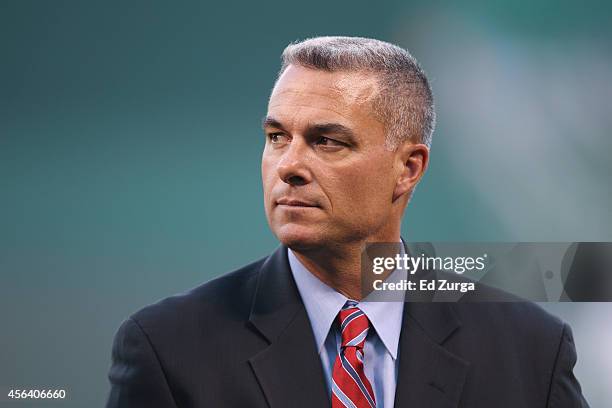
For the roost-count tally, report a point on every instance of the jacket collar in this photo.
(428, 373)
(289, 370)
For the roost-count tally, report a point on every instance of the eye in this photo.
(277, 138)
(327, 142)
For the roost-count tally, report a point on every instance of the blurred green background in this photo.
(130, 147)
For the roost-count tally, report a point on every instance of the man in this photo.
(348, 130)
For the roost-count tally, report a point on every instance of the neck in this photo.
(339, 266)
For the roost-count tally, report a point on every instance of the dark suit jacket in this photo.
(244, 340)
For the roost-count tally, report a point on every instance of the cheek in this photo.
(267, 173)
(267, 182)
(364, 195)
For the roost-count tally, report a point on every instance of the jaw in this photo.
(299, 236)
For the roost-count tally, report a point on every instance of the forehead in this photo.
(343, 96)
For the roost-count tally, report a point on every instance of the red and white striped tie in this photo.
(350, 386)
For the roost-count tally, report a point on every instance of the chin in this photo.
(299, 237)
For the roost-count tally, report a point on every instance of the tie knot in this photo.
(354, 325)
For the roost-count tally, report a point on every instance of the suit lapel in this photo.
(289, 370)
(429, 375)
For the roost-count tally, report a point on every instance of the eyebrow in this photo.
(317, 128)
(269, 121)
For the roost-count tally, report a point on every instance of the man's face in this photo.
(327, 176)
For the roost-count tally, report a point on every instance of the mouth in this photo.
(292, 202)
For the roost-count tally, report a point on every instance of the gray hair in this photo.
(404, 103)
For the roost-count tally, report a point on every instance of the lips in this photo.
(293, 202)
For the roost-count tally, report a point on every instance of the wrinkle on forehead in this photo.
(296, 112)
(353, 89)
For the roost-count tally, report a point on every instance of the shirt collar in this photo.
(323, 303)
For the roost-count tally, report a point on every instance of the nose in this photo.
(292, 167)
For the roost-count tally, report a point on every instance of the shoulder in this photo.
(535, 348)
(488, 311)
(224, 298)
(507, 309)
(516, 317)
(173, 343)
(509, 320)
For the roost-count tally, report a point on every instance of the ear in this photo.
(412, 160)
